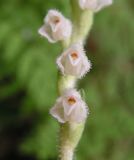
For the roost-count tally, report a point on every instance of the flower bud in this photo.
(70, 107)
(94, 5)
(56, 27)
(74, 62)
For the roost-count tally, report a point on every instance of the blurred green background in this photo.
(28, 77)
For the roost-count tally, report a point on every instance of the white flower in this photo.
(94, 5)
(56, 27)
(74, 61)
(70, 108)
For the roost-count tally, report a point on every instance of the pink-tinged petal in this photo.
(70, 101)
(67, 28)
(73, 61)
(72, 92)
(58, 112)
(94, 5)
(86, 66)
(57, 27)
(52, 13)
(68, 108)
(82, 3)
(88, 4)
(74, 58)
(59, 63)
(102, 4)
(45, 31)
(79, 114)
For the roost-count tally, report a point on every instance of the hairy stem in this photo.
(70, 134)
(82, 22)
(66, 82)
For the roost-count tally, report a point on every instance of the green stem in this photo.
(70, 134)
(66, 82)
(82, 22)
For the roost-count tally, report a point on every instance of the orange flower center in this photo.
(71, 100)
(57, 20)
(74, 55)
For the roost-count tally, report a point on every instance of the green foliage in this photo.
(42, 141)
(30, 61)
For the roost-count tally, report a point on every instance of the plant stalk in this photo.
(70, 133)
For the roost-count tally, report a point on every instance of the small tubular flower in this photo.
(74, 61)
(56, 27)
(94, 5)
(70, 107)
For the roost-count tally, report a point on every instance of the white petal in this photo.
(86, 66)
(74, 70)
(71, 92)
(51, 14)
(58, 112)
(65, 111)
(102, 4)
(59, 63)
(45, 31)
(56, 27)
(51, 18)
(74, 62)
(67, 108)
(77, 66)
(82, 3)
(79, 114)
(67, 28)
(94, 5)
(88, 4)
(58, 34)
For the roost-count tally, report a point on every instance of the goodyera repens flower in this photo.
(70, 108)
(74, 61)
(94, 5)
(56, 27)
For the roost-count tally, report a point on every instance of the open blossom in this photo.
(56, 27)
(70, 107)
(74, 62)
(94, 5)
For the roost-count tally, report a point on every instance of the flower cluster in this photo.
(73, 61)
